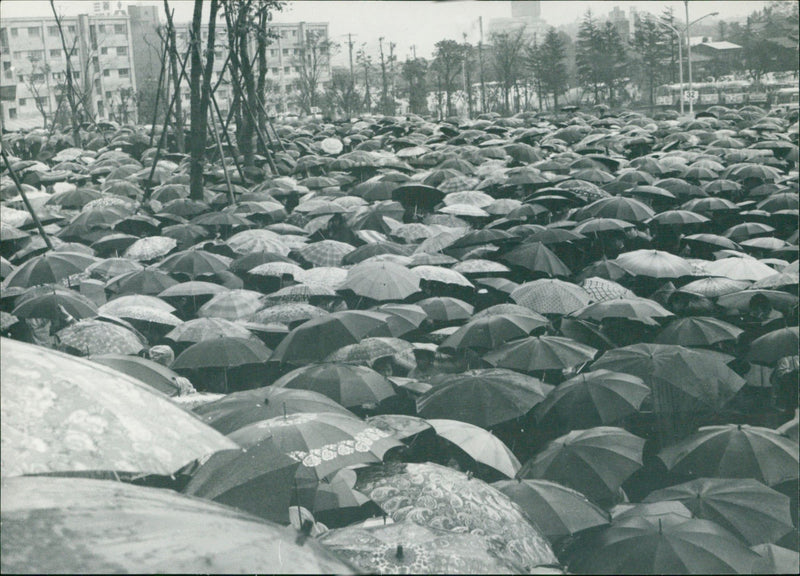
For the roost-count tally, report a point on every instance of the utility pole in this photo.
(414, 50)
(350, 48)
(467, 76)
(480, 65)
(384, 95)
(391, 73)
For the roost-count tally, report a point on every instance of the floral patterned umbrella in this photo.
(92, 337)
(66, 414)
(100, 526)
(408, 548)
(445, 499)
(322, 442)
(288, 313)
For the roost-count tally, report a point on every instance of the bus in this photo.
(727, 93)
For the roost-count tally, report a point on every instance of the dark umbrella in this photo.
(53, 303)
(734, 451)
(49, 268)
(594, 462)
(540, 353)
(151, 373)
(747, 508)
(484, 398)
(347, 384)
(489, 332)
(697, 331)
(773, 346)
(222, 352)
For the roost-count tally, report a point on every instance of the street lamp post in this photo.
(680, 57)
(689, 49)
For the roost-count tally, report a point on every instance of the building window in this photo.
(285, 51)
(12, 113)
(76, 75)
(33, 31)
(97, 85)
(14, 34)
(296, 69)
(22, 102)
(122, 50)
(120, 29)
(41, 101)
(9, 74)
(39, 77)
(71, 29)
(101, 28)
(55, 53)
(275, 70)
(101, 111)
(294, 33)
(106, 73)
(18, 55)
(52, 30)
(273, 52)
(6, 65)
(286, 69)
(124, 72)
(103, 50)
(35, 55)
(108, 95)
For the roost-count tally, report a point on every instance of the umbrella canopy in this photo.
(596, 398)
(369, 350)
(258, 480)
(93, 337)
(714, 286)
(49, 268)
(88, 417)
(484, 398)
(150, 248)
(602, 289)
(773, 346)
(482, 446)
(744, 506)
(103, 526)
(677, 376)
(735, 451)
(349, 385)
(654, 264)
(406, 547)
(151, 373)
(639, 309)
(222, 352)
(232, 305)
(654, 546)
(739, 269)
(199, 329)
(540, 353)
(53, 303)
(326, 252)
(559, 511)
(537, 257)
(237, 410)
(489, 332)
(322, 442)
(193, 263)
(319, 337)
(775, 560)
(551, 296)
(381, 281)
(435, 496)
(446, 308)
(594, 462)
(697, 331)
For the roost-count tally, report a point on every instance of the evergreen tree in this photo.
(651, 51)
(549, 64)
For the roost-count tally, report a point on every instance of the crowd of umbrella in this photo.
(533, 344)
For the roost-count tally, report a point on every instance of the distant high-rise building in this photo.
(620, 21)
(526, 9)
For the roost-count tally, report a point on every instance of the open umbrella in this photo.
(151, 373)
(596, 398)
(222, 352)
(734, 451)
(88, 417)
(91, 337)
(52, 303)
(319, 337)
(654, 264)
(540, 353)
(744, 506)
(258, 480)
(381, 281)
(639, 309)
(697, 331)
(49, 268)
(369, 350)
(479, 444)
(232, 305)
(322, 442)
(550, 296)
(484, 398)
(642, 545)
(236, 410)
(680, 378)
(489, 332)
(199, 329)
(537, 257)
(446, 308)
(101, 526)
(559, 511)
(408, 548)
(775, 560)
(150, 248)
(349, 385)
(773, 346)
(594, 462)
(439, 497)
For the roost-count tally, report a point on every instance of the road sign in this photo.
(690, 96)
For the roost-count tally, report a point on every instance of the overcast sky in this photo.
(411, 23)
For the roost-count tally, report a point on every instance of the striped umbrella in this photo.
(232, 305)
(325, 252)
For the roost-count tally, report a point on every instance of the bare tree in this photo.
(312, 62)
(508, 49)
(76, 132)
(36, 82)
(172, 46)
(365, 61)
(448, 57)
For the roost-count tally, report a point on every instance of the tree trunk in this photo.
(261, 50)
(200, 85)
(246, 70)
(176, 79)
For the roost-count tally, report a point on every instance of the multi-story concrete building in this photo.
(34, 68)
(525, 15)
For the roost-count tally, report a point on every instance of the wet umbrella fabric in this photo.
(559, 511)
(88, 417)
(734, 451)
(594, 462)
(151, 373)
(348, 385)
(406, 547)
(381, 281)
(92, 337)
(540, 353)
(223, 352)
(238, 409)
(479, 444)
(440, 497)
(484, 398)
(101, 526)
(744, 506)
